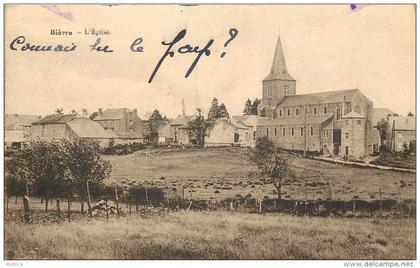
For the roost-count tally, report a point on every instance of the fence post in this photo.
(275, 204)
(129, 205)
(260, 207)
(88, 201)
(380, 201)
(116, 201)
(106, 208)
(7, 204)
(46, 204)
(68, 207)
(26, 208)
(58, 210)
(147, 197)
(354, 205)
(137, 207)
(82, 204)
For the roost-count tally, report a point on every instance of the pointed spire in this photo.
(279, 68)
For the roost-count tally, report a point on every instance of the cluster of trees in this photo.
(217, 111)
(251, 108)
(58, 168)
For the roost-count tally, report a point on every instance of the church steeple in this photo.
(278, 67)
(277, 85)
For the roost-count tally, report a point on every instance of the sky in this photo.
(327, 47)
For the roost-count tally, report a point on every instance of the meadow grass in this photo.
(217, 173)
(214, 235)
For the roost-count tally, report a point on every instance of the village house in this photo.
(70, 126)
(251, 121)
(180, 130)
(17, 128)
(164, 134)
(401, 133)
(229, 132)
(125, 123)
(336, 123)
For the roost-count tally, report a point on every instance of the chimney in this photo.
(100, 111)
(183, 108)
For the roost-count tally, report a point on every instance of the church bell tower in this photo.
(278, 84)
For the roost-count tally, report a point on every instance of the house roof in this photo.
(248, 120)
(352, 114)
(238, 123)
(291, 120)
(130, 135)
(402, 122)
(233, 123)
(112, 114)
(318, 98)
(381, 113)
(16, 121)
(182, 120)
(278, 67)
(85, 128)
(54, 119)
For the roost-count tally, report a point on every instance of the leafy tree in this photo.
(248, 107)
(410, 114)
(382, 127)
(84, 164)
(14, 186)
(198, 127)
(223, 113)
(271, 161)
(93, 115)
(155, 122)
(41, 165)
(254, 109)
(214, 111)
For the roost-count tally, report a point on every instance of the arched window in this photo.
(275, 131)
(293, 131)
(301, 131)
(312, 131)
(314, 110)
(338, 113)
(297, 111)
(325, 110)
(279, 112)
(288, 112)
(284, 131)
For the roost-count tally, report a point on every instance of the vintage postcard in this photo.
(210, 132)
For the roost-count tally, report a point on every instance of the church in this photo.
(333, 123)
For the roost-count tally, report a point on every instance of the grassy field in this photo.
(223, 172)
(215, 235)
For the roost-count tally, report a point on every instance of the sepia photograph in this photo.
(210, 132)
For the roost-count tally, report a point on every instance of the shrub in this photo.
(154, 195)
